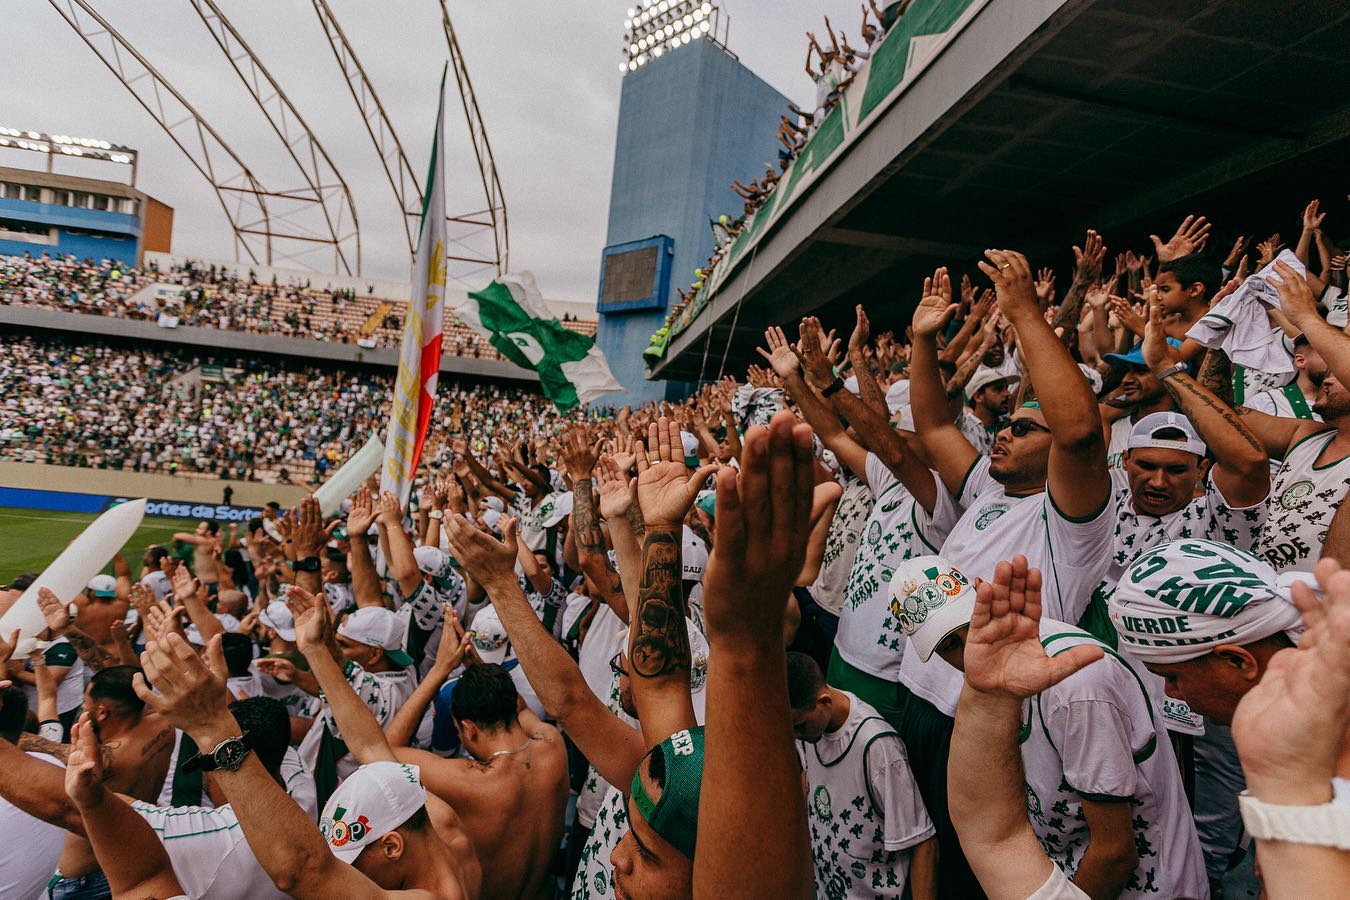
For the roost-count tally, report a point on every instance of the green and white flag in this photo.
(510, 313)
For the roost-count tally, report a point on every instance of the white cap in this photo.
(694, 555)
(903, 418)
(430, 560)
(374, 800)
(555, 508)
(490, 517)
(983, 376)
(277, 616)
(1142, 435)
(690, 444)
(227, 621)
(495, 503)
(851, 385)
(1093, 376)
(103, 586)
(489, 636)
(897, 395)
(930, 598)
(376, 626)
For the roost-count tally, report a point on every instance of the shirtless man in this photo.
(138, 744)
(510, 795)
(379, 836)
(203, 565)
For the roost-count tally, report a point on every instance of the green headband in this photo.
(675, 816)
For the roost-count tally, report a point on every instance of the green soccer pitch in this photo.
(31, 538)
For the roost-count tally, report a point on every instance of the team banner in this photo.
(419, 359)
(511, 314)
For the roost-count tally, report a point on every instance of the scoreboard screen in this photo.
(636, 275)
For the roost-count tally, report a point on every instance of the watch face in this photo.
(230, 754)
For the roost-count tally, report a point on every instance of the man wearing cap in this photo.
(1103, 786)
(988, 398)
(1167, 488)
(1295, 400)
(368, 645)
(870, 833)
(1141, 394)
(379, 834)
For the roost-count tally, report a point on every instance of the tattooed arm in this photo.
(57, 616)
(1216, 376)
(658, 639)
(1242, 468)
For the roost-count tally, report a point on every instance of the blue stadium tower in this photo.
(692, 119)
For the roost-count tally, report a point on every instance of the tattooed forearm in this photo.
(1216, 375)
(659, 643)
(1189, 395)
(585, 521)
(31, 743)
(94, 656)
(635, 523)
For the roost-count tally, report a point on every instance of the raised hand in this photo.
(1313, 216)
(280, 668)
(84, 766)
(362, 514)
(54, 611)
(186, 692)
(1268, 250)
(666, 487)
(1292, 726)
(453, 647)
(1087, 260)
(578, 453)
(1003, 652)
(815, 363)
(7, 647)
(862, 329)
(313, 617)
(1013, 288)
(1235, 254)
(763, 521)
(1045, 282)
(780, 355)
(1158, 354)
(184, 585)
(309, 535)
(487, 560)
(936, 308)
(1190, 237)
(615, 487)
(1296, 297)
(391, 513)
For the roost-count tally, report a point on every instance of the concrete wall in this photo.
(39, 476)
(690, 123)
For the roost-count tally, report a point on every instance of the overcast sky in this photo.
(546, 75)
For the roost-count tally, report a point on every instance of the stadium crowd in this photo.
(98, 406)
(1043, 598)
(214, 296)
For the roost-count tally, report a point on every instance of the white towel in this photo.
(1239, 326)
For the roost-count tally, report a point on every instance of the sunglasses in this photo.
(1024, 427)
(616, 664)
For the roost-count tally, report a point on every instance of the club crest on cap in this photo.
(918, 599)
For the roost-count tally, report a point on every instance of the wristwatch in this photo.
(436, 514)
(228, 755)
(1174, 369)
(835, 387)
(308, 564)
(1325, 825)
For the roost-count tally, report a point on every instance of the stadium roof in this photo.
(1038, 119)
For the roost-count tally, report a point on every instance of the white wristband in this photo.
(436, 514)
(1325, 825)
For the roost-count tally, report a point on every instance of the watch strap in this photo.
(205, 761)
(1325, 825)
(1175, 369)
(834, 387)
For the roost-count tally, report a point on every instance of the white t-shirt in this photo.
(993, 526)
(869, 636)
(863, 807)
(1097, 735)
(29, 850)
(1120, 438)
(210, 856)
(70, 691)
(841, 544)
(1303, 498)
(1058, 887)
(975, 431)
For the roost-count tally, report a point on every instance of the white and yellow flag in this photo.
(419, 359)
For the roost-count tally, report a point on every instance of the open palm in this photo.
(666, 487)
(1003, 652)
